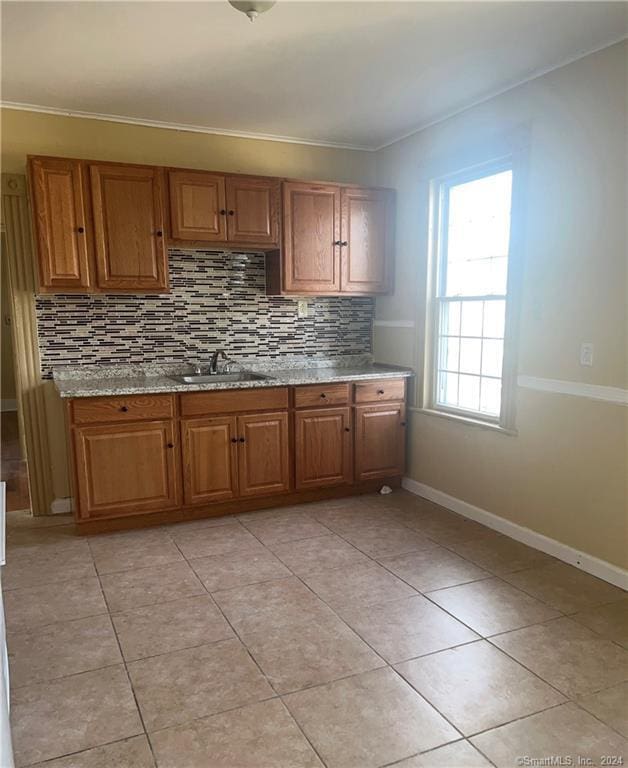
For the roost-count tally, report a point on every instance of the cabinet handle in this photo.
(170, 445)
(222, 212)
(159, 233)
(242, 440)
(231, 213)
(80, 230)
(124, 408)
(380, 391)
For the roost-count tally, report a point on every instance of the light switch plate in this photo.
(586, 354)
(302, 308)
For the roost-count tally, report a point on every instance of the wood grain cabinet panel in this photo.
(128, 213)
(90, 410)
(311, 253)
(198, 208)
(209, 459)
(252, 210)
(366, 233)
(124, 469)
(380, 441)
(62, 227)
(323, 447)
(321, 394)
(263, 454)
(378, 391)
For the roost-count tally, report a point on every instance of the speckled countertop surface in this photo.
(95, 381)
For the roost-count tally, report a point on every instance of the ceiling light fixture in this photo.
(252, 8)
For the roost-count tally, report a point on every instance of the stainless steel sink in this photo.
(218, 378)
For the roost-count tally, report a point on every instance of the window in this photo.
(469, 297)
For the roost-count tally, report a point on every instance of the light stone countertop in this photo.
(93, 381)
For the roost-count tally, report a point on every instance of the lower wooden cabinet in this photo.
(322, 438)
(229, 456)
(263, 454)
(380, 440)
(210, 457)
(126, 468)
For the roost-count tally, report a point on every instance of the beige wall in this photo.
(565, 473)
(32, 133)
(7, 374)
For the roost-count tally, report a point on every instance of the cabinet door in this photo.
(209, 459)
(366, 234)
(323, 447)
(124, 469)
(311, 253)
(263, 454)
(252, 210)
(128, 222)
(61, 223)
(198, 206)
(380, 441)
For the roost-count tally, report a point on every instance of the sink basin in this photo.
(217, 378)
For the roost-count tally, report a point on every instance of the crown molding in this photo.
(23, 107)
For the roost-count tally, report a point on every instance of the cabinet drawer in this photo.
(384, 389)
(321, 394)
(234, 401)
(122, 408)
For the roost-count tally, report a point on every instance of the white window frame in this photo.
(434, 298)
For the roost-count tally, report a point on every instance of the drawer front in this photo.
(234, 401)
(122, 408)
(384, 389)
(321, 394)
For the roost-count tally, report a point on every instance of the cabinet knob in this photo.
(380, 391)
(242, 440)
(231, 213)
(170, 445)
(323, 395)
(159, 233)
(347, 429)
(124, 408)
(403, 423)
(337, 242)
(234, 439)
(222, 212)
(344, 242)
(80, 230)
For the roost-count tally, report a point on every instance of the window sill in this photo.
(466, 420)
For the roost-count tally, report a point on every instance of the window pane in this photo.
(494, 312)
(490, 401)
(448, 388)
(478, 235)
(469, 392)
(470, 355)
(449, 353)
(471, 323)
(492, 356)
(450, 318)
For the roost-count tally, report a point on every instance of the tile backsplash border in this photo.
(217, 300)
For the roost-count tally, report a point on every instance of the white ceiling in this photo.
(358, 74)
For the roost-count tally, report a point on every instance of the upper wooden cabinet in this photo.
(62, 227)
(198, 207)
(367, 245)
(212, 208)
(336, 240)
(131, 252)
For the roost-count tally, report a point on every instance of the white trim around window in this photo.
(444, 299)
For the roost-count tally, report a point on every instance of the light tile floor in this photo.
(355, 633)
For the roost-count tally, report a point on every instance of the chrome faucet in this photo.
(213, 365)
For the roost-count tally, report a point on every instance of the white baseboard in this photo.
(62, 506)
(593, 565)
(8, 405)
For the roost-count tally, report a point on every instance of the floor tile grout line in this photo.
(49, 760)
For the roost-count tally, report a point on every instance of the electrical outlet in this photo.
(586, 353)
(302, 308)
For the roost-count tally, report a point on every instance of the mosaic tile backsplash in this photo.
(217, 300)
